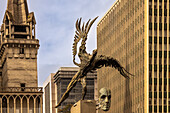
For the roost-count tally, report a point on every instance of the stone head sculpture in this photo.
(105, 99)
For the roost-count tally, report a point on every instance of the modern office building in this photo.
(50, 95)
(19, 91)
(136, 32)
(62, 78)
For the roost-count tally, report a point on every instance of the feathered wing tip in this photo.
(84, 29)
(124, 72)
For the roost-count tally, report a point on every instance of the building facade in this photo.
(136, 32)
(19, 91)
(50, 95)
(62, 78)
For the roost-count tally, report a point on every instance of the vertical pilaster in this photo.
(21, 105)
(28, 105)
(7, 105)
(1, 104)
(41, 102)
(9, 29)
(34, 32)
(27, 30)
(168, 40)
(4, 30)
(31, 30)
(12, 32)
(14, 105)
(34, 105)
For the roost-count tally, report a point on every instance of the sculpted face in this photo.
(105, 99)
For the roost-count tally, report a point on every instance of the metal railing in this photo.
(20, 89)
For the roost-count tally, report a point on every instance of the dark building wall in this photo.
(63, 77)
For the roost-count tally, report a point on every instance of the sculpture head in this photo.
(105, 99)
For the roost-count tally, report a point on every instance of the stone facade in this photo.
(136, 32)
(19, 92)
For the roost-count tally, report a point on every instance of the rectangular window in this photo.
(21, 51)
(160, 40)
(155, 12)
(150, 40)
(150, 26)
(155, 26)
(150, 54)
(155, 40)
(155, 54)
(22, 86)
(160, 26)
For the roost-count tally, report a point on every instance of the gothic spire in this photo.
(19, 11)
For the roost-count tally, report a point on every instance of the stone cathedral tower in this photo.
(19, 91)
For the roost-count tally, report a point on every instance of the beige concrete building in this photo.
(50, 95)
(136, 32)
(62, 78)
(19, 91)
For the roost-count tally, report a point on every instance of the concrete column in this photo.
(28, 108)
(34, 105)
(14, 105)
(21, 105)
(7, 105)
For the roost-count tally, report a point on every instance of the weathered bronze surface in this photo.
(89, 63)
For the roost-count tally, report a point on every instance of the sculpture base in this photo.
(84, 106)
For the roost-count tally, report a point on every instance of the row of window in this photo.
(160, 12)
(160, 88)
(157, 0)
(160, 81)
(160, 26)
(160, 109)
(160, 54)
(160, 95)
(160, 68)
(160, 40)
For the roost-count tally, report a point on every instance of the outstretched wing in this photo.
(109, 61)
(81, 33)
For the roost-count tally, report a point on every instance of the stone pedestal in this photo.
(84, 106)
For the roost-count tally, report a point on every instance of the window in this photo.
(21, 51)
(160, 40)
(155, 40)
(150, 26)
(150, 11)
(150, 40)
(155, 26)
(155, 12)
(155, 54)
(160, 12)
(160, 54)
(150, 54)
(160, 26)
(165, 40)
(22, 86)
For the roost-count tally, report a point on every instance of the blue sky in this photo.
(55, 29)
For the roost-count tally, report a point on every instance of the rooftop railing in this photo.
(21, 89)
